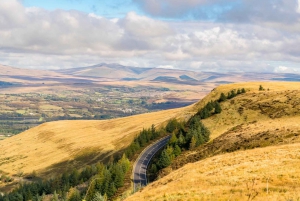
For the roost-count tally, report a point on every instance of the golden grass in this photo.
(48, 144)
(273, 114)
(41, 148)
(270, 173)
(230, 117)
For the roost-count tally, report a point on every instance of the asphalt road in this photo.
(140, 168)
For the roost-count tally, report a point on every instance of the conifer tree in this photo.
(233, 94)
(153, 168)
(243, 90)
(193, 143)
(222, 97)
(181, 139)
(173, 139)
(111, 190)
(218, 108)
(177, 150)
(119, 177)
(75, 196)
(164, 160)
(55, 197)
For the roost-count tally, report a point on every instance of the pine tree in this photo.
(164, 159)
(75, 196)
(111, 190)
(222, 97)
(243, 90)
(55, 197)
(173, 139)
(233, 94)
(171, 126)
(99, 197)
(193, 143)
(177, 151)
(218, 108)
(181, 139)
(205, 133)
(119, 177)
(204, 113)
(209, 106)
(153, 131)
(153, 169)
(125, 163)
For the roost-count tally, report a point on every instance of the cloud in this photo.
(34, 37)
(224, 10)
(285, 69)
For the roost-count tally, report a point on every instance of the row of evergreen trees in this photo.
(103, 179)
(143, 139)
(233, 93)
(186, 136)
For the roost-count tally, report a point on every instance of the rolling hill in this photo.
(56, 146)
(250, 124)
(253, 151)
(127, 73)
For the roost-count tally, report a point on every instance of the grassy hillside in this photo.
(270, 173)
(252, 120)
(52, 147)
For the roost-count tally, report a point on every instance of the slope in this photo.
(55, 146)
(252, 120)
(270, 173)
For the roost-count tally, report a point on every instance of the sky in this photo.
(198, 35)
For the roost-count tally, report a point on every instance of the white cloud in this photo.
(285, 69)
(34, 37)
(166, 66)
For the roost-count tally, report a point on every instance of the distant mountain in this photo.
(119, 72)
(13, 71)
(129, 73)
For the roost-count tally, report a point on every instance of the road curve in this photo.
(141, 164)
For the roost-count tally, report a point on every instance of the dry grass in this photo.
(281, 97)
(54, 146)
(53, 143)
(255, 119)
(270, 173)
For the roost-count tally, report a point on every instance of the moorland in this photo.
(254, 136)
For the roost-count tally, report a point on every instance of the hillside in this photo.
(270, 173)
(268, 120)
(53, 147)
(12, 71)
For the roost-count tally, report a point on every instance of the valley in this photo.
(65, 123)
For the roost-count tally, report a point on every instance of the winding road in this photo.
(141, 164)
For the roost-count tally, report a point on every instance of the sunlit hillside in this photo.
(259, 121)
(270, 173)
(55, 146)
